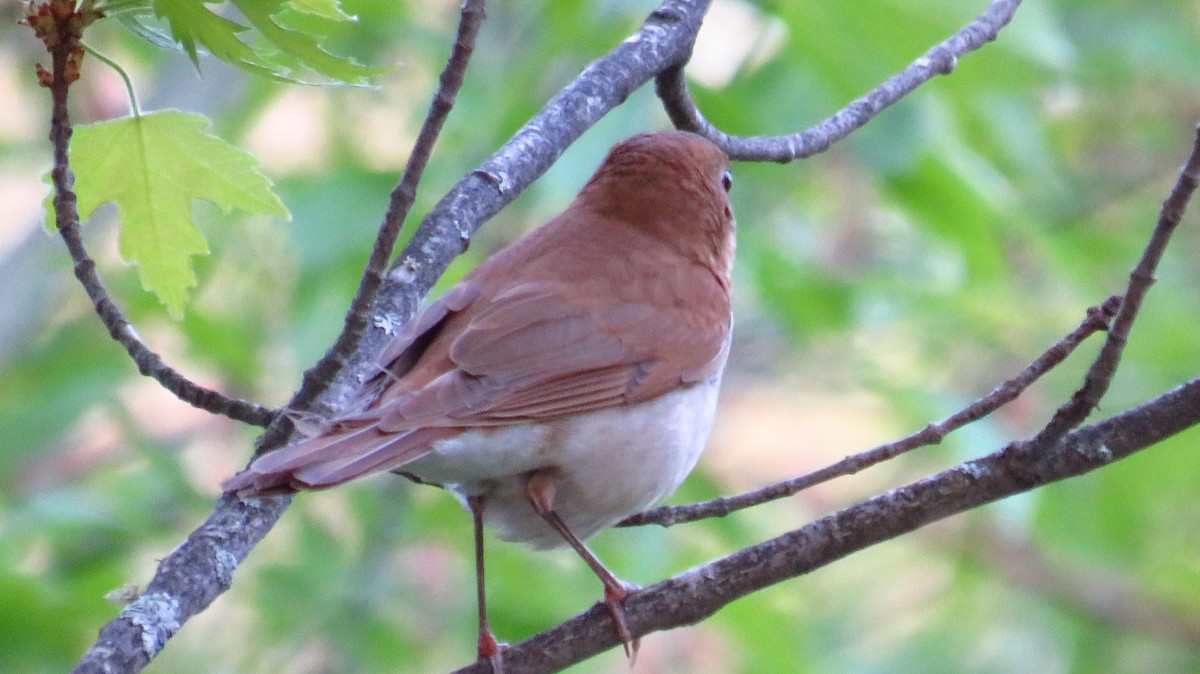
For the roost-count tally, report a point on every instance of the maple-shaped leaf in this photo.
(299, 47)
(271, 45)
(153, 167)
(192, 22)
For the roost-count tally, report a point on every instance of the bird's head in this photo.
(669, 183)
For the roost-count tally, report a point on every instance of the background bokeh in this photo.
(879, 286)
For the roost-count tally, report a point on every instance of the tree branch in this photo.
(318, 377)
(66, 215)
(1100, 375)
(1097, 318)
(694, 595)
(671, 87)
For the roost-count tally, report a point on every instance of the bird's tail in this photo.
(331, 458)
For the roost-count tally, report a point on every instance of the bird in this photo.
(568, 381)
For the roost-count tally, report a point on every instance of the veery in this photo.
(567, 382)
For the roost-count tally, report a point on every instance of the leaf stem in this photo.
(133, 102)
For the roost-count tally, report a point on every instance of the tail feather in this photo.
(328, 460)
(392, 453)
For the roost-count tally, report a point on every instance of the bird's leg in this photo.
(489, 648)
(540, 491)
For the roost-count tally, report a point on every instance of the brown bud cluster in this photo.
(59, 25)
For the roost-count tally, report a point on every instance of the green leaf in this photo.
(326, 9)
(300, 46)
(265, 47)
(191, 22)
(153, 167)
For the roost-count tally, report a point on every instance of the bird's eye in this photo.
(727, 180)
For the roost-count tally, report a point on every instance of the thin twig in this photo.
(317, 378)
(1100, 375)
(940, 60)
(1097, 319)
(66, 212)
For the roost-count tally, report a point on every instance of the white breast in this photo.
(612, 463)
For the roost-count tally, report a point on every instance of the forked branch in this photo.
(1098, 318)
(938, 60)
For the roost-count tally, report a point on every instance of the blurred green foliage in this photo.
(917, 264)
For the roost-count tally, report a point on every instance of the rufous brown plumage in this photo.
(571, 379)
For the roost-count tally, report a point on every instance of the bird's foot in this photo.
(492, 650)
(614, 599)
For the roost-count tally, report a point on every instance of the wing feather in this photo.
(535, 353)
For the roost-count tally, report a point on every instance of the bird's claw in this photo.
(492, 651)
(614, 599)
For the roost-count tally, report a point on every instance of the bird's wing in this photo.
(530, 354)
(535, 353)
(403, 352)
